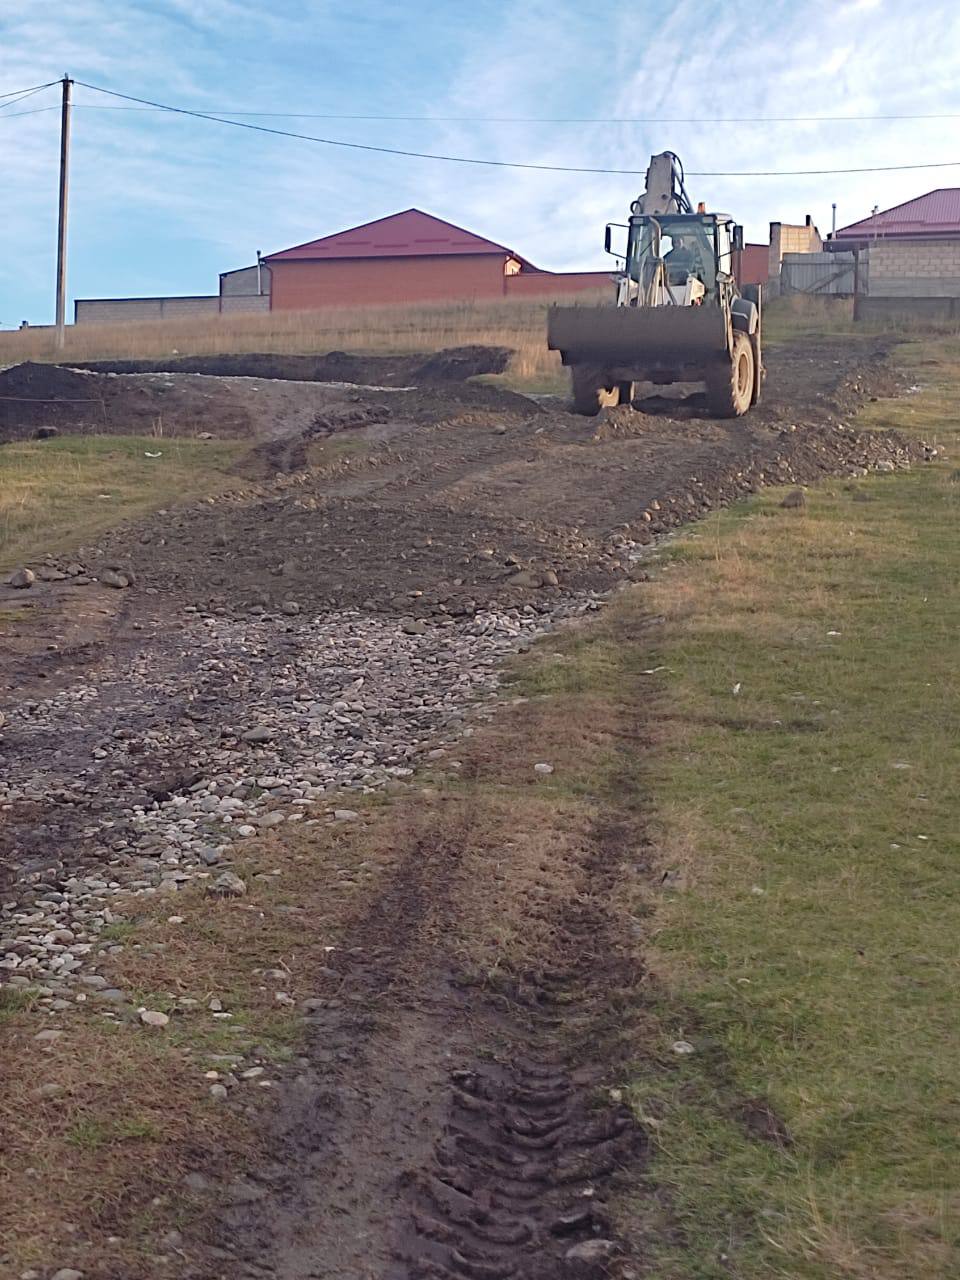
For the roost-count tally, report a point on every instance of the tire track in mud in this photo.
(532, 1143)
(450, 1128)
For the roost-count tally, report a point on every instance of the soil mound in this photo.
(455, 364)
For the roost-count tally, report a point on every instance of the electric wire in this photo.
(329, 115)
(504, 164)
(13, 99)
(34, 111)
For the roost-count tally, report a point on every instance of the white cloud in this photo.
(163, 204)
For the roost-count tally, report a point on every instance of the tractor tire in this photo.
(590, 393)
(731, 385)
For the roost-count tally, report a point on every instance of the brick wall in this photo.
(245, 281)
(245, 302)
(345, 282)
(546, 284)
(915, 268)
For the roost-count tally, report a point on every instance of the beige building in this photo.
(788, 237)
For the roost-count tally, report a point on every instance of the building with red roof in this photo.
(411, 257)
(935, 214)
(912, 250)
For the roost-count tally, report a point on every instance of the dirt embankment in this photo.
(261, 396)
(453, 365)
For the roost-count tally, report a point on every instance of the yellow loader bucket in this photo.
(609, 336)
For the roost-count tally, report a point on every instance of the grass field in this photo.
(395, 330)
(794, 812)
(56, 494)
(805, 942)
(800, 1073)
(388, 330)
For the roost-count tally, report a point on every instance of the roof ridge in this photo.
(883, 215)
(332, 237)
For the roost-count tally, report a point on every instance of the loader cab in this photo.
(688, 244)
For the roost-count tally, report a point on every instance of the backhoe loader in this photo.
(679, 315)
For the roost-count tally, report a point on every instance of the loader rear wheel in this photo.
(730, 386)
(590, 392)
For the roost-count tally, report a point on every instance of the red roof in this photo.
(935, 214)
(408, 234)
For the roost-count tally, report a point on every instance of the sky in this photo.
(160, 204)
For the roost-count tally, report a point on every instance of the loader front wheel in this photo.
(730, 386)
(590, 392)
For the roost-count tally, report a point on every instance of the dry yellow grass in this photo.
(396, 329)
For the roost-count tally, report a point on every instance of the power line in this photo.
(505, 164)
(25, 93)
(12, 99)
(34, 111)
(323, 115)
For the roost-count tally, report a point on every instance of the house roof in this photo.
(935, 214)
(411, 233)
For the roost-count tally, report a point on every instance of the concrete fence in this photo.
(145, 310)
(894, 309)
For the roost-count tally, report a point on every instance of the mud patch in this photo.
(446, 1124)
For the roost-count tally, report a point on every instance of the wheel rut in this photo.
(452, 1125)
(532, 1144)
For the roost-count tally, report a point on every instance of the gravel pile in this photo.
(156, 775)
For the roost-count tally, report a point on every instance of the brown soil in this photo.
(451, 1116)
(449, 492)
(455, 1113)
(453, 365)
(256, 396)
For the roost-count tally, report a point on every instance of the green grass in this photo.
(14, 1000)
(118, 931)
(91, 1134)
(794, 318)
(810, 949)
(55, 494)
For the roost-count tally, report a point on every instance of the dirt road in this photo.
(340, 628)
(448, 493)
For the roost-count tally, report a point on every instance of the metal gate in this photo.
(820, 273)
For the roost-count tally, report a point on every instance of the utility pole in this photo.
(62, 224)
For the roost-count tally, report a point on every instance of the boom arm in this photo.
(665, 191)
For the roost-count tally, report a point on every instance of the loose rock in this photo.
(227, 885)
(154, 1018)
(259, 734)
(591, 1253)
